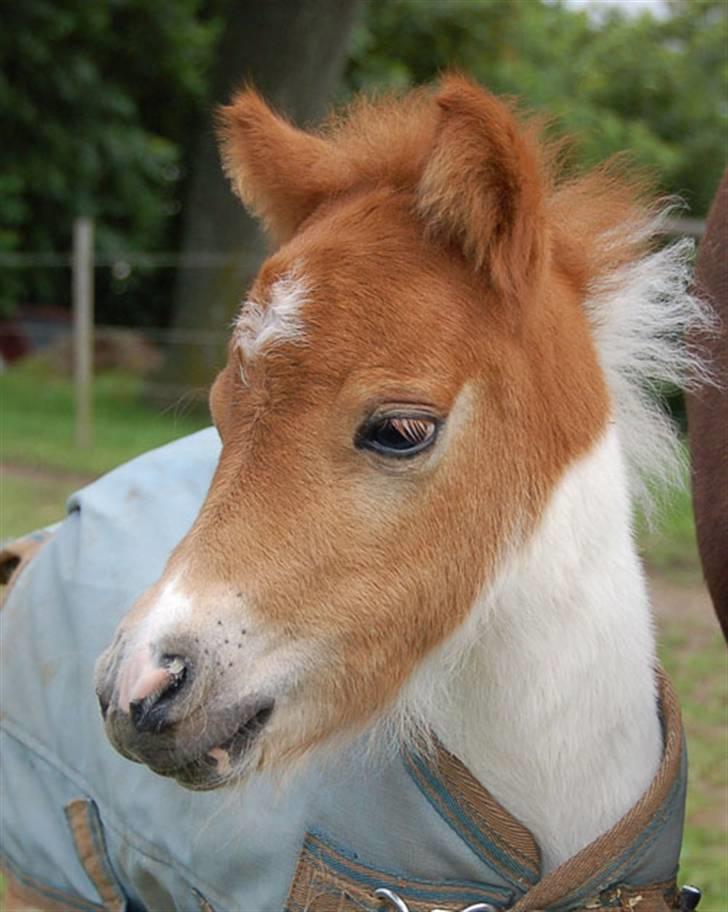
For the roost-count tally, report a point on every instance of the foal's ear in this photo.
(482, 186)
(280, 173)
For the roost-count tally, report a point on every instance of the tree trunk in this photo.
(293, 51)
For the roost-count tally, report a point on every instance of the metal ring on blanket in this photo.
(396, 902)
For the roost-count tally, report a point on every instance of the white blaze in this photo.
(259, 327)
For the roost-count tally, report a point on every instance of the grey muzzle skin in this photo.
(180, 729)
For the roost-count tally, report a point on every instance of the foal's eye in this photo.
(397, 435)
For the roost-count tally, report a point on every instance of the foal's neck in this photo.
(554, 708)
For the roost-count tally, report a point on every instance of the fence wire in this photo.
(39, 333)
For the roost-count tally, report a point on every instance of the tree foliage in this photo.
(653, 86)
(96, 100)
(103, 102)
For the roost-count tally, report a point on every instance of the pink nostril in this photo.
(151, 682)
(149, 689)
(144, 679)
(138, 667)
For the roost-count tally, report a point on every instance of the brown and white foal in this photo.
(433, 418)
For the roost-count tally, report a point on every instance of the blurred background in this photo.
(124, 256)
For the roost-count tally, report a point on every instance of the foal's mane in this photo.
(646, 323)
(645, 320)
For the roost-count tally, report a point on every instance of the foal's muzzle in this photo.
(163, 711)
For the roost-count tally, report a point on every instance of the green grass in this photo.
(668, 546)
(30, 502)
(694, 655)
(36, 423)
(37, 442)
(693, 652)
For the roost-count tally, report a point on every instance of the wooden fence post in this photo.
(83, 328)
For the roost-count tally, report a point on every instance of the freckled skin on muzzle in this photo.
(168, 722)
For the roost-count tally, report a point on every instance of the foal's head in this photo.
(408, 378)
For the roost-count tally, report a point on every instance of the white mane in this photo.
(645, 323)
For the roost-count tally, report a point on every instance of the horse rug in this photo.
(85, 829)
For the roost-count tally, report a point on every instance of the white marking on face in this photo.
(258, 327)
(171, 611)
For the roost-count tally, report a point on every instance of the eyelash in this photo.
(398, 436)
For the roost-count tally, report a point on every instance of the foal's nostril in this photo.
(150, 712)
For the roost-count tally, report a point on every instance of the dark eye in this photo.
(398, 436)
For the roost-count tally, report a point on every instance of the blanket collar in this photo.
(614, 871)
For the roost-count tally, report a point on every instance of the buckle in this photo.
(395, 901)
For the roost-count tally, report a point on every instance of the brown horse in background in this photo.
(708, 413)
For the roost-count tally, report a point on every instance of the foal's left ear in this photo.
(281, 173)
(483, 187)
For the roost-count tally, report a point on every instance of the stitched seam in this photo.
(313, 880)
(477, 817)
(633, 854)
(321, 889)
(332, 890)
(506, 848)
(52, 893)
(410, 887)
(497, 853)
(373, 878)
(95, 830)
(486, 851)
(83, 844)
(110, 821)
(458, 823)
(648, 837)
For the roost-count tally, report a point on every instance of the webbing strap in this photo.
(88, 837)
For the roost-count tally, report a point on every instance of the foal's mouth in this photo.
(224, 759)
(216, 756)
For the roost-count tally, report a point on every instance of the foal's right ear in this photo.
(484, 186)
(280, 173)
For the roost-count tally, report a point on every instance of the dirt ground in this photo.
(673, 600)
